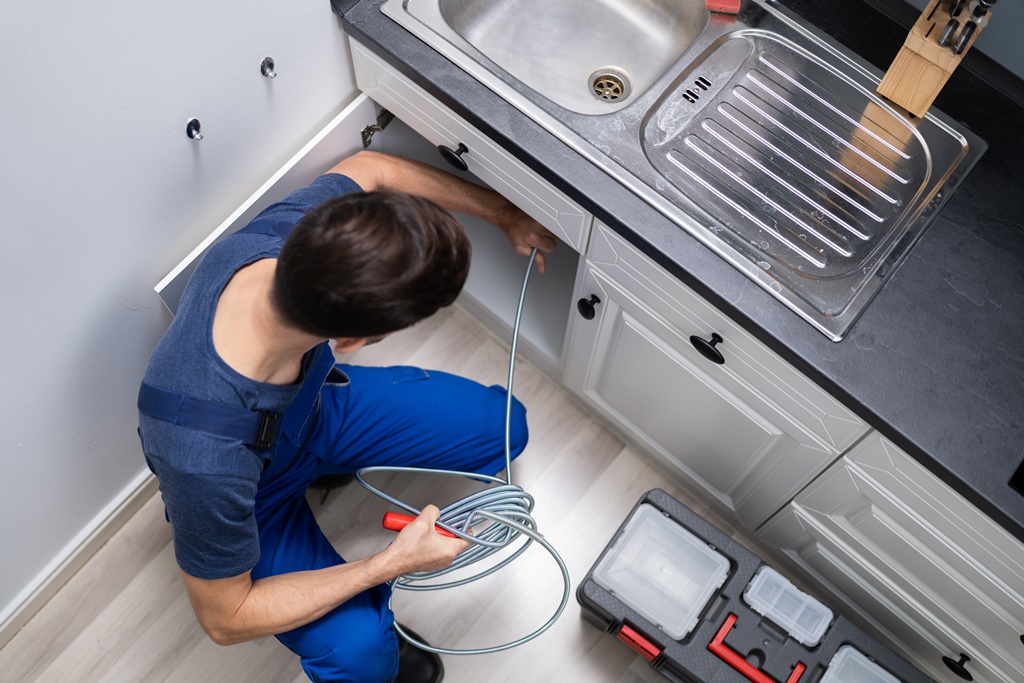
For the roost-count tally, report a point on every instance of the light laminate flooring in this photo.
(125, 616)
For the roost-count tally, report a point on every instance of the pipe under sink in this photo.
(758, 135)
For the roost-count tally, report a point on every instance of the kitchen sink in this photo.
(617, 47)
(758, 135)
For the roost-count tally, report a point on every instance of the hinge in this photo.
(383, 120)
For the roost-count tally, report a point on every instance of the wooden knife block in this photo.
(921, 68)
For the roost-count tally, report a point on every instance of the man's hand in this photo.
(524, 233)
(237, 609)
(376, 171)
(419, 548)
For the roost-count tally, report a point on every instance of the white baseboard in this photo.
(75, 554)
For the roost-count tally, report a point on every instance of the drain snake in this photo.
(507, 507)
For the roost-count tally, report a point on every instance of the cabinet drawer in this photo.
(779, 383)
(907, 553)
(486, 160)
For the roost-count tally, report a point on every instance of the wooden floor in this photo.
(125, 616)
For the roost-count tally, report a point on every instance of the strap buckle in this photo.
(267, 431)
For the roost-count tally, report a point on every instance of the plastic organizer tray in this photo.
(850, 665)
(774, 597)
(662, 571)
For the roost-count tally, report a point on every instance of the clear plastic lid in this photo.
(850, 665)
(662, 571)
(771, 595)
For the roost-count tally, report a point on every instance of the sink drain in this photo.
(609, 85)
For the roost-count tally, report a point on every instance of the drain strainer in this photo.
(609, 85)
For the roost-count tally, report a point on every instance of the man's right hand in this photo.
(237, 609)
(419, 548)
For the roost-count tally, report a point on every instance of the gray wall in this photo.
(1000, 40)
(102, 194)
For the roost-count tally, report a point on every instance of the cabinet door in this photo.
(899, 548)
(738, 431)
(647, 378)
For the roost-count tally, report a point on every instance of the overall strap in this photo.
(268, 227)
(257, 428)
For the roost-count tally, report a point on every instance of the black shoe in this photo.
(416, 665)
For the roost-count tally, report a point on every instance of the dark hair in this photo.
(369, 263)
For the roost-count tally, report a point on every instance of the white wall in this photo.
(101, 194)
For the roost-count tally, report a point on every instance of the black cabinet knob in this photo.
(454, 156)
(958, 667)
(707, 348)
(586, 307)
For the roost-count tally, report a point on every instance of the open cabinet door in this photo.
(338, 139)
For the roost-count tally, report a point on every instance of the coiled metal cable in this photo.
(505, 505)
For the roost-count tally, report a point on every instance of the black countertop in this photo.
(936, 362)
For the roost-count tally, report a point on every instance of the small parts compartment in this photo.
(661, 571)
(772, 595)
(698, 607)
(851, 666)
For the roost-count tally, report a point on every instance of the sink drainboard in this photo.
(799, 170)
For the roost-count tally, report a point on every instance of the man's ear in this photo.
(349, 345)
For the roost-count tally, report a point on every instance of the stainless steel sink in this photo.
(756, 134)
(617, 48)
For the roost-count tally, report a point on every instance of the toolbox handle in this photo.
(736, 661)
(637, 643)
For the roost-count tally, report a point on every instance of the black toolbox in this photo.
(717, 637)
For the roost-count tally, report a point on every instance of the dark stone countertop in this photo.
(936, 362)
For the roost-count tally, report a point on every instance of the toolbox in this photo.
(701, 608)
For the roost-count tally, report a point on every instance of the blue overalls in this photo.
(345, 418)
(399, 416)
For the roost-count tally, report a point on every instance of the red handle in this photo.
(736, 661)
(396, 522)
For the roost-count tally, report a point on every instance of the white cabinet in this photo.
(897, 547)
(750, 433)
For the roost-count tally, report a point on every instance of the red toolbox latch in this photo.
(638, 643)
(736, 661)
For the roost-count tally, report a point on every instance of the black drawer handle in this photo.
(454, 157)
(707, 348)
(586, 308)
(958, 667)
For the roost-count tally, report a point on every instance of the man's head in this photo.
(368, 264)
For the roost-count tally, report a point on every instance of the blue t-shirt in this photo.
(209, 482)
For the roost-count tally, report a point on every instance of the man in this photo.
(242, 407)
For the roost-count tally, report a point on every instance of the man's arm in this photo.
(238, 609)
(376, 171)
